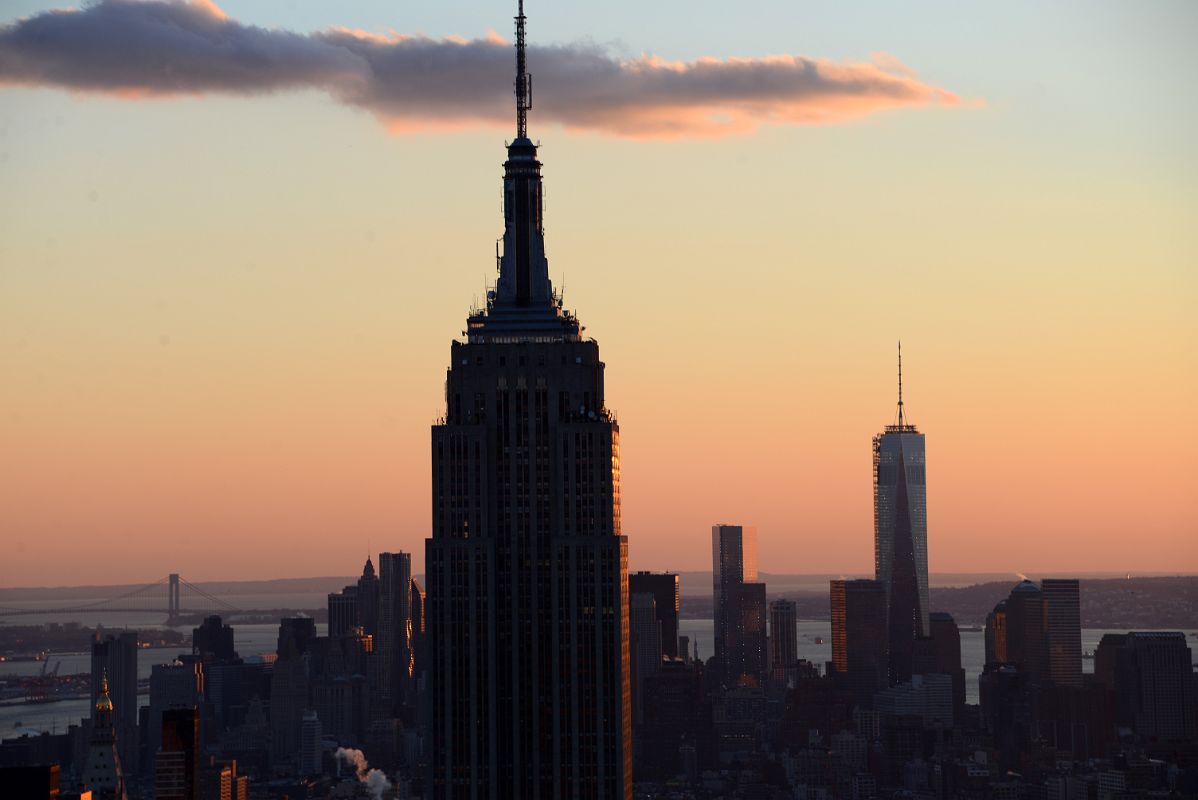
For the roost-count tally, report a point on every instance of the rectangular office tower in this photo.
(859, 635)
(1063, 629)
(527, 572)
(901, 537)
(738, 603)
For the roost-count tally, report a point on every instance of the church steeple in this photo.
(523, 303)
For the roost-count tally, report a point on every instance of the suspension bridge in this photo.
(171, 595)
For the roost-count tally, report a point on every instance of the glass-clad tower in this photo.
(901, 536)
(527, 604)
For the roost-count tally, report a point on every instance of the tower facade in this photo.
(526, 568)
(901, 536)
(1063, 628)
(859, 634)
(102, 771)
(733, 564)
(783, 637)
(114, 661)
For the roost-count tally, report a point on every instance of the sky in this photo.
(232, 262)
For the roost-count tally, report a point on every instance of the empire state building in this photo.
(526, 567)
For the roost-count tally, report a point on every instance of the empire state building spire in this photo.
(522, 303)
(523, 82)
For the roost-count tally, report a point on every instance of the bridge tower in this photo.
(172, 599)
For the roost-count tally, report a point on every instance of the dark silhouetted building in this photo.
(677, 723)
(783, 637)
(394, 644)
(901, 537)
(177, 763)
(176, 685)
(1063, 630)
(1152, 676)
(645, 632)
(39, 782)
(526, 566)
(213, 641)
(664, 588)
(368, 599)
(944, 656)
(1027, 642)
(859, 635)
(116, 658)
(343, 611)
(734, 564)
(289, 688)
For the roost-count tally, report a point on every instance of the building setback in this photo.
(526, 568)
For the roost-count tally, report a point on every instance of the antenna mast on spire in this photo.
(523, 81)
(901, 422)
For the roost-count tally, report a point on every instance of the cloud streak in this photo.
(159, 48)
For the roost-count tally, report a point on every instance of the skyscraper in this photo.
(527, 572)
(733, 563)
(1063, 628)
(115, 658)
(645, 641)
(102, 772)
(901, 536)
(343, 611)
(1152, 675)
(394, 643)
(859, 635)
(783, 637)
(664, 588)
(1027, 643)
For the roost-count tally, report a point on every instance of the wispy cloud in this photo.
(158, 48)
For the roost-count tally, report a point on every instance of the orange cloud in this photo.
(136, 48)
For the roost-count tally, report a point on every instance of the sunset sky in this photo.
(228, 285)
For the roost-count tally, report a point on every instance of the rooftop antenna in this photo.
(900, 379)
(523, 82)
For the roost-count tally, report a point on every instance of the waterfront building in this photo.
(901, 536)
(527, 617)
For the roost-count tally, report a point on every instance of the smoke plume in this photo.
(170, 48)
(376, 782)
